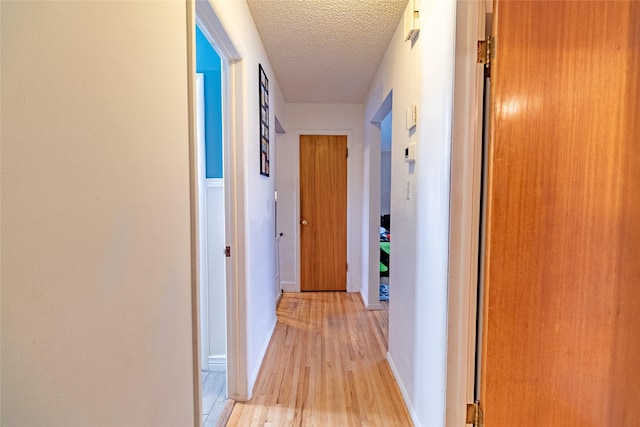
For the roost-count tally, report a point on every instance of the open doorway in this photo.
(378, 229)
(211, 226)
(385, 206)
(202, 15)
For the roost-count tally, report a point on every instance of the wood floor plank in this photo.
(226, 413)
(325, 366)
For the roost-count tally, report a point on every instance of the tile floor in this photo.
(214, 396)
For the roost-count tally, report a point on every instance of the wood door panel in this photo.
(562, 298)
(323, 205)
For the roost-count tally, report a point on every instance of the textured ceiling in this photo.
(326, 50)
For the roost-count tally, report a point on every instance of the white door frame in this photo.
(200, 12)
(372, 233)
(203, 279)
(464, 211)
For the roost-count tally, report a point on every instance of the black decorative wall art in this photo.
(263, 93)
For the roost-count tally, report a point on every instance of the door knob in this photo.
(304, 222)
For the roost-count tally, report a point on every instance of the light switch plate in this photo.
(412, 117)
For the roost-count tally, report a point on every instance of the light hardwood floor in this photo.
(325, 366)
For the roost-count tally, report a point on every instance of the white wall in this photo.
(96, 284)
(419, 73)
(343, 119)
(257, 287)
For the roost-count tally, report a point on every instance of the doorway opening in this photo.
(385, 206)
(278, 234)
(228, 187)
(378, 228)
(211, 225)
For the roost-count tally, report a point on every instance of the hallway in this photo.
(325, 366)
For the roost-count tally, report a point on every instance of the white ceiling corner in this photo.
(326, 51)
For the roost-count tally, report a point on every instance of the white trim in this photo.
(194, 211)
(203, 277)
(351, 222)
(403, 392)
(214, 182)
(372, 234)
(232, 95)
(237, 376)
(464, 212)
(290, 286)
(278, 286)
(217, 363)
(214, 31)
(368, 306)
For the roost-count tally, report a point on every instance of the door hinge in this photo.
(474, 414)
(347, 267)
(486, 51)
(227, 251)
(347, 152)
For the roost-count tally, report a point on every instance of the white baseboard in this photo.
(403, 391)
(374, 306)
(377, 306)
(218, 363)
(290, 286)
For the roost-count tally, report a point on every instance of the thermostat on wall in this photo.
(410, 153)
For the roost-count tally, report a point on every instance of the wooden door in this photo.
(323, 212)
(561, 338)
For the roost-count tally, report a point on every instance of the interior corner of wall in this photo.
(403, 391)
(255, 370)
